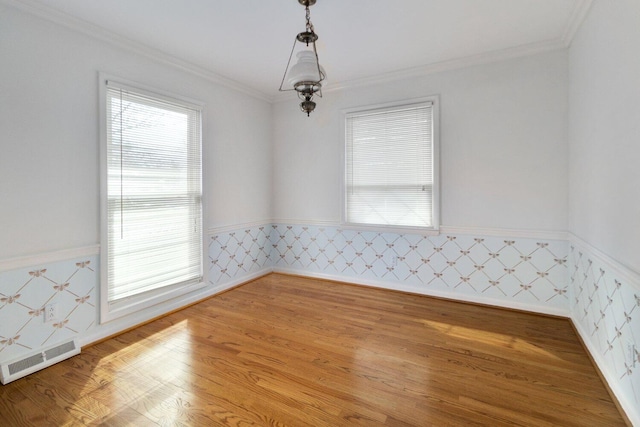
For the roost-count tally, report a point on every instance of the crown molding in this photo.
(579, 14)
(439, 67)
(454, 64)
(99, 33)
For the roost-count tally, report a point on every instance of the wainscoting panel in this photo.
(515, 272)
(24, 293)
(238, 253)
(606, 311)
(538, 274)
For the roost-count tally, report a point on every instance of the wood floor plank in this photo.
(291, 351)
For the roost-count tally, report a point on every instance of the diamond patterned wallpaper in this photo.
(527, 271)
(236, 254)
(608, 309)
(72, 285)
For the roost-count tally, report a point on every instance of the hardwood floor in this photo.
(289, 351)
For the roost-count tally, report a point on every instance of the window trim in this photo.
(136, 303)
(428, 231)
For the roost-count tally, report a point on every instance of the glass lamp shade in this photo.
(304, 75)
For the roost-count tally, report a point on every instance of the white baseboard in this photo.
(539, 309)
(630, 409)
(119, 325)
(632, 412)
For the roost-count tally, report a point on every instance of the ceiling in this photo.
(247, 43)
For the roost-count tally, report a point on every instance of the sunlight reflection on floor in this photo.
(482, 335)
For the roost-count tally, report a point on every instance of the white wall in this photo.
(506, 164)
(604, 193)
(604, 125)
(503, 145)
(49, 161)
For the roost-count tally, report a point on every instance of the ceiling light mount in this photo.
(307, 37)
(306, 76)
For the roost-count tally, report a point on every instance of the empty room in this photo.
(320, 212)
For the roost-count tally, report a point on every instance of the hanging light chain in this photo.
(306, 87)
(309, 24)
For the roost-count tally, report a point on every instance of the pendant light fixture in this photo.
(306, 76)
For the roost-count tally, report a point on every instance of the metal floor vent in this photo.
(30, 364)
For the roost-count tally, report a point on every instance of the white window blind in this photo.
(390, 166)
(154, 193)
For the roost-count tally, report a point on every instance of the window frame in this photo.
(434, 229)
(136, 303)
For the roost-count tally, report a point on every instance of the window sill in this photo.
(136, 303)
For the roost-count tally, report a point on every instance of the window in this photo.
(391, 165)
(152, 202)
